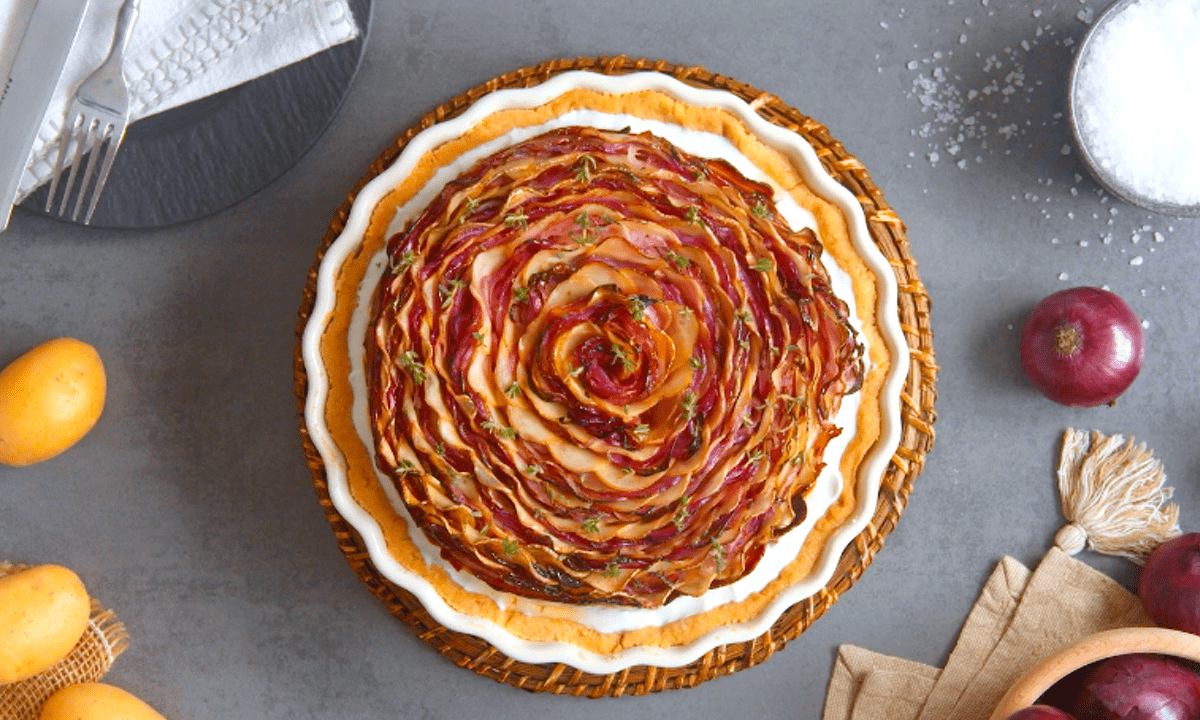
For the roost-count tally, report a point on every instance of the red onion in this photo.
(1040, 712)
(1082, 347)
(1139, 687)
(1170, 584)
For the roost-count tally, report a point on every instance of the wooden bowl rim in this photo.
(1098, 646)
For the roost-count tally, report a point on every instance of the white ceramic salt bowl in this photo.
(1110, 181)
(1093, 648)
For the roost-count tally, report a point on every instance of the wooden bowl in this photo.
(1039, 678)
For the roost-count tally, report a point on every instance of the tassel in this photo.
(1113, 495)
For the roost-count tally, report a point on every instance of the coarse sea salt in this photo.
(1137, 97)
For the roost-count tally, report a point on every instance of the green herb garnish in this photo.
(449, 290)
(468, 207)
(412, 365)
(681, 262)
(688, 403)
(404, 261)
(718, 553)
(585, 168)
(637, 306)
(681, 512)
(622, 356)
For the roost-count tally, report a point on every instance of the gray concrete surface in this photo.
(189, 508)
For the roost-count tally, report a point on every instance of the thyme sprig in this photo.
(412, 365)
(681, 512)
(449, 290)
(403, 261)
(680, 261)
(718, 552)
(585, 168)
(622, 356)
(688, 403)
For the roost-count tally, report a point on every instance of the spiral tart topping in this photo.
(602, 370)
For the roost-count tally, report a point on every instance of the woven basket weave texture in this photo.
(917, 410)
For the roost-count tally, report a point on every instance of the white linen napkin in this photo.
(180, 51)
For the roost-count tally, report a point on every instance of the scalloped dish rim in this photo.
(871, 471)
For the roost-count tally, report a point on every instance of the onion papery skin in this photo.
(605, 371)
(1139, 687)
(1169, 584)
(1082, 347)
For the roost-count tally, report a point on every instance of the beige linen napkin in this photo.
(1114, 500)
(1019, 618)
(180, 51)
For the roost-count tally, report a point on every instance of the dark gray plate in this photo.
(203, 157)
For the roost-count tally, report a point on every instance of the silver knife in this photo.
(29, 86)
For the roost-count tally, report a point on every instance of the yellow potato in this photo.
(96, 701)
(50, 397)
(43, 612)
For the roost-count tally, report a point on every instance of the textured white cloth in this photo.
(180, 51)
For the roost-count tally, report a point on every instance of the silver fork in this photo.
(97, 118)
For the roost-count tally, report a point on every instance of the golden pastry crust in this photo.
(552, 622)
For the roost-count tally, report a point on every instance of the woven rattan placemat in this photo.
(917, 410)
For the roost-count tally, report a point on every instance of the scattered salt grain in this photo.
(1136, 261)
(883, 25)
(1064, 277)
(1145, 324)
(912, 65)
(1139, 95)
